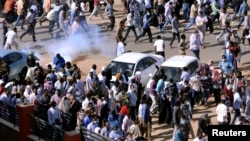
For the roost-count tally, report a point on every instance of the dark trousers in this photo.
(51, 26)
(31, 30)
(162, 53)
(132, 112)
(217, 95)
(210, 25)
(148, 31)
(91, 6)
(5, 30)
(244, 34)
(112, 22)
(174, 35)
(196, 53)
(214, 17)
(130, 28)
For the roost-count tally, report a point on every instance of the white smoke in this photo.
(81, 44)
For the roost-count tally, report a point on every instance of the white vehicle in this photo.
(173, 69)
(135, 63)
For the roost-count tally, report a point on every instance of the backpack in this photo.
(185, 111)
(172, 90)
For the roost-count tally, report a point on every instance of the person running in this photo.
(31, 28)
(11, 36)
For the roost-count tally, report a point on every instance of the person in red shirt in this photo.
(97, 9)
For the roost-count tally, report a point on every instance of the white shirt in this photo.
(120, 49)
(159, 45)
(73, 6)
(203, 20)
(195, 42)
(168, 11)
(129, 20)
(223, 18)
(185, 76)
(11, 35)
(82, 5)
(221, 112)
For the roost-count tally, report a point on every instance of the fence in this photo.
(9, 113)
(88, 135)
(46, 131)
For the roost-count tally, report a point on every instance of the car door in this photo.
(15, 63)
(149, 67)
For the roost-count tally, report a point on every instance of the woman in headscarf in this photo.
(64, 105)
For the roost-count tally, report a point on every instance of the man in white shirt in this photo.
(221, 111)
(168, 15)
(130, 24)
(31, 26)
(201, 21)
(185, 75)
(224, 19)
(236, 105)
(195, 43)
(120, 48)
(160, 46)
(11, 35)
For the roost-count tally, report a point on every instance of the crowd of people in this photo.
(120, 110)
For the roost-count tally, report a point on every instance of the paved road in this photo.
(99, 47)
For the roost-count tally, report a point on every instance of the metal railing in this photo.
(46, 131)
(9, 113)
(88, 135)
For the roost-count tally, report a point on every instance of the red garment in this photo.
(96, 2)
(234, 50)
(124, 110)
(9, 5)
(1, 89)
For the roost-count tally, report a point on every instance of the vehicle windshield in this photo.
(171, 72)
(121, 67)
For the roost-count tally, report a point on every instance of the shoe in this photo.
(22, 28)
(171, 46)
(20, 38)
(40, 23)
(34, 40)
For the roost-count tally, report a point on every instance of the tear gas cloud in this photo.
(92, 42)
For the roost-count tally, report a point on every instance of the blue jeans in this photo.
(72, 17)
(234, 15)
(166, 23)
(214, 17)
(192, 22)
(241, 21)
(236, 115)
(19, 17)
(186, 10)
(196, 53)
